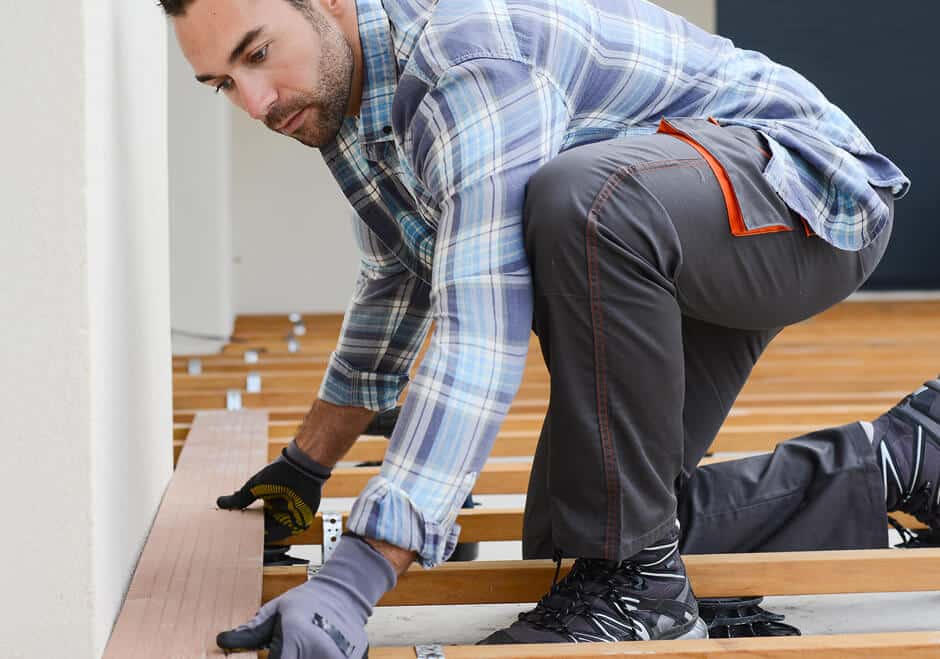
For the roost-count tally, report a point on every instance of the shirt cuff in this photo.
(344, 385)
(385, 512)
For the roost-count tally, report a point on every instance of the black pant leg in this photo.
(718, 361)
(816, 492)
(628, 240)
(605, 256)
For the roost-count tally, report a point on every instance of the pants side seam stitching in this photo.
(612, 531)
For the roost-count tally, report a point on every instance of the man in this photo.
(655, 203)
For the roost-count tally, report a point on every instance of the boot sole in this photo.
(699, 631)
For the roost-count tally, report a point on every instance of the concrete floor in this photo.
(821, 614)
(464, 625)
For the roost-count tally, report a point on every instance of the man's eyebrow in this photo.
(237, 52)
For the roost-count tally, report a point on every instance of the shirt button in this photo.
(387, 130)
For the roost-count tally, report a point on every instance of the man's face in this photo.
(290, 68)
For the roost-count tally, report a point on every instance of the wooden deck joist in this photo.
(280, 347)
(496, 478)
(832, 349)
(798, 415)
(483, 525)
(825, 367)
(522, 443)
(849, 312)
(718, 575)
(891, 646)
(758, 388)
(881, 399)
(820, 416)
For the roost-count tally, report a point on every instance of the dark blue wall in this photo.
(880, 62)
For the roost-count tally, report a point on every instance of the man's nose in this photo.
(257, 97)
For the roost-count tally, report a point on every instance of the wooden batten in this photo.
(488, 525)
(910, 645)
(718, 575)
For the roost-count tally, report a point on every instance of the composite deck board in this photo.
(200, 570)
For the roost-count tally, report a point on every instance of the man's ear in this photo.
(334, 8)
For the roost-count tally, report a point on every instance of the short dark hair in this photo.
(174, 7)
(178, 7)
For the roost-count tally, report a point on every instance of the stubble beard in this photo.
(327, 106)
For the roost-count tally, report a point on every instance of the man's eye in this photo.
(259, 55)
(223, 86)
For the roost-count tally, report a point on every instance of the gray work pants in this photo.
(651, 315)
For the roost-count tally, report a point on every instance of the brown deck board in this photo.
(200, 570)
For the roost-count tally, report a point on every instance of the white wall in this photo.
(703, 13)
(128, 288)
(200, 220)
(292, 228)
(84, 314)
(45, 360)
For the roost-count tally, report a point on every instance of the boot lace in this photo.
(568, 599)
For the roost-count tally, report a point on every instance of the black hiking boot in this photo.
(907, 446)
(646, 597)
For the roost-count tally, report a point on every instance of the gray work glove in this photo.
(325, 617)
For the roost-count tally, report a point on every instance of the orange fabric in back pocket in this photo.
(735, 218)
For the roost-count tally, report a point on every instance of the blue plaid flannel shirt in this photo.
(462, 102)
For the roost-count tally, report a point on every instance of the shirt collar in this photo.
(380, 72)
